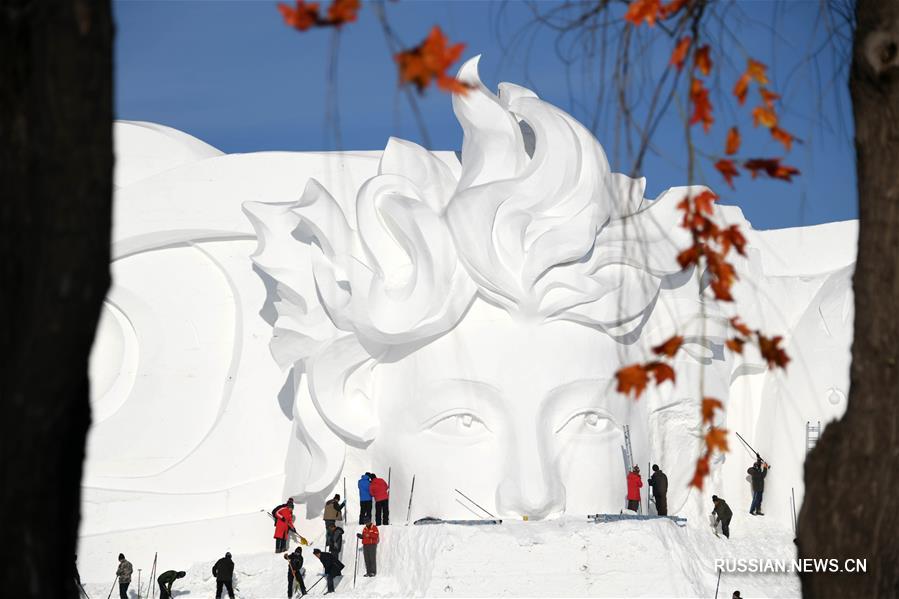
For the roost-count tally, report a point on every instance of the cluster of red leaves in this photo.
(650, 11)
(769, 347)
(715, 440)
(765, 115)
(711, 243)
(306, 15)
(429, 62)
(699, 93)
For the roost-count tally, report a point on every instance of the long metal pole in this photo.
(473, 501)
(749, 446)
(718, 584)
(138, 583)
(409, 509)
(356, 562)
(113, 586)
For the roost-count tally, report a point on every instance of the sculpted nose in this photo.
(531, 485)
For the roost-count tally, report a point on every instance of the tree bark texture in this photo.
(56, 161)
(851, 507)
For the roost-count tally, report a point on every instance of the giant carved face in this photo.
(463, 323)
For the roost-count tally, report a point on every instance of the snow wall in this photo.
(282, 322)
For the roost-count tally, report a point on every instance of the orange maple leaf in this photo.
(732, 145)
(723, 275)
(679, 55)
(741, 328)
(702, 61)
(742, 88)
(728, 170)
(661, 372)
(772, 352)
(768, 96)
(756, 70)
(704, 202)
(689, 256)
(716, 439)
(765, 116)
(669, 347)
(771, 167)
(735, 345)
(709, 405)
(632, 379)
(429, 61)
(702, 470)
(783, 137)
(702, 108)
(304, 16)
(343, 11)
(643, 11)
(732, 237)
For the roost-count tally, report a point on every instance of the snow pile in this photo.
(567, 557)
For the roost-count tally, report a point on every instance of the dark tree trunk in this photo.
(56, 162)
(851, 508)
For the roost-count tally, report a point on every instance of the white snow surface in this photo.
(566, 557)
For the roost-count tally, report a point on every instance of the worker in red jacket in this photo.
(283, 525)
(380, 492)
(633, 489)
(370, 538)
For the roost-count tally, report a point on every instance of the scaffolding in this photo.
(812, 434)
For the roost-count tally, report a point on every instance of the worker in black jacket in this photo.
(223, 570)
(723, 514)
(658, 482)
(757, 473)
(295, 571)
(166, 580)
(332, 566)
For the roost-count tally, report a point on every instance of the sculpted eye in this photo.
(587, 422)
(457, 424)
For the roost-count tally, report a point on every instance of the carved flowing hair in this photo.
(534, 222)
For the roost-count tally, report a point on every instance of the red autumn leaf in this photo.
(633, 378)
(732, 237)
(771, 167)
(735, 345)
(689, 256)
(721, 290)
(661, 372)
(342, 11)
(732, 145)
(768, 96)
(643, 11)
(723, 276)
(669, 347)
(679, 55)
(429, 61)
(741, 89)
(728, 170)
(704, 202)
(756, 70)
(304, 16)
(783, 137)
(772, 352)
(709, 405)
(741, 328)
(702, 470)
(702, 108)
(763, 115)
(701, 60)
(716, 439)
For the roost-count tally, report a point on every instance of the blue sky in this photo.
(233, 75)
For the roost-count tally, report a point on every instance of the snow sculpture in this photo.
(466, 328)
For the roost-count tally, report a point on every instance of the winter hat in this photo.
(316, 551)
(655, 467)
(714, 498)
(181, 574)
(227, 554)
(121, 556)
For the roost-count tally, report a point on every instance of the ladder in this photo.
(627, 448)
(812, 434)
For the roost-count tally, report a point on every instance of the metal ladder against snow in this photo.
(627, 447)
(812, 434)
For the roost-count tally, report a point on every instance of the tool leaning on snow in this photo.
(605, 518)
(292, 531)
